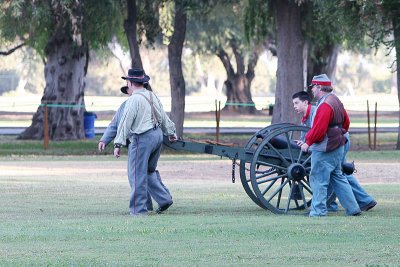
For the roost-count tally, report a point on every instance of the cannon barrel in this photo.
(212, 149)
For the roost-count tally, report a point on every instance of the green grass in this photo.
(78, 218)
(375, 156)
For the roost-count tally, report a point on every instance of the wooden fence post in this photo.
(46, 127)
(217, 117)
(376, 118)
(369, 129)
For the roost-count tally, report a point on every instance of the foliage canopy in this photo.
(34, 22)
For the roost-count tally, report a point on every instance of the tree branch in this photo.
(12, 50)
(223, 56)
(252, 64)
(238, 56)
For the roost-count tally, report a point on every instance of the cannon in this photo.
(274, 171)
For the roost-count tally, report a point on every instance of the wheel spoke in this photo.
(306, 186)
(268, 187)
(288, 202)
(272, 178)
(277, 190)
(279, 197)
(289, 146)
(302, 195)
(290, 197)
(278, 153)
(300, 154)
(306, 161)
(261, 174)
(270, 165)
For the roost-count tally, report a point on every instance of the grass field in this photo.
(72, 210)
(10, 145)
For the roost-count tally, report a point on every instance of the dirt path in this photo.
(221, 169)
(171, 170)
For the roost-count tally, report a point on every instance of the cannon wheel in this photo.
(251, 147)
(280, 175)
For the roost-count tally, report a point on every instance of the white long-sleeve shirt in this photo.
(136, 118)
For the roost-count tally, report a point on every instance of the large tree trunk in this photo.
(290, 41)
(238, 95)
(176, 78)
(324, 62)
(131, 34)
(65, 71)
(238, 84)
(396, 33)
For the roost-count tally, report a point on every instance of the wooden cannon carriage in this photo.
(273, 170)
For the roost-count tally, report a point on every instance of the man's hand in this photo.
(299, 142)
(304, 147)
(117, 152)
(101, 146)
(172, 138)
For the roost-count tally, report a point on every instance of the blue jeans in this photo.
(362, 197)
(326, 169)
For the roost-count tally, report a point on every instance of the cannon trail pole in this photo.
(369, 129)
(46, 127)
(376, 117)
(217, 117)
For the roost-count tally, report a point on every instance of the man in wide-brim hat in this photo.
(143, 122)
(111, 131)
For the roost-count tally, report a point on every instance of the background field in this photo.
(18, 111)
(72, 210)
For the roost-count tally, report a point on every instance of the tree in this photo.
(322, 45)
(308, 39)
(61, 32)
(287, 18)
(290, 42)
(176, 78)
(220, 31)
(130, 25)
(141, 22)
(174, 22)
(396, 42)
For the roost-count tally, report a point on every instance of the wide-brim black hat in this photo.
(124, 89)
(136, 75)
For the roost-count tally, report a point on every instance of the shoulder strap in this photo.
(153, 110)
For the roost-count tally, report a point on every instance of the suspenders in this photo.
(154, 120)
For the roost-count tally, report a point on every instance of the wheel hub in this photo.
(296, 172)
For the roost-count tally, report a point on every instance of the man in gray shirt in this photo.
(143, 122)
(111, 132)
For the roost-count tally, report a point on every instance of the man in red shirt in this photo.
(326, 140)
(302, 105)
